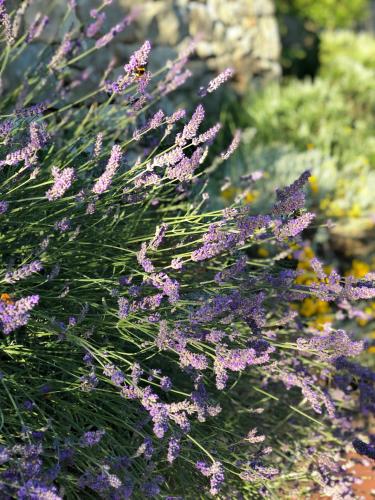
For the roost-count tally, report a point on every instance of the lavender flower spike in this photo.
(291, 197)
(3, 207)
(105, 180)
(13, 316)
(191, 128)
(96, 26)
(233, 145)
(37, 27)
(6, 23)
(220, 79)
(63, 181)
(23, 272)
(207, 136)
(139, 58)
(294, 226)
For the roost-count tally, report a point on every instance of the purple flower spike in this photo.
(190, 130)
(13, 316)
(62, 181)
(92, 438)
(294, 226)
(105, 180)
(233, 145)
(139, 58)
(23, 272)
(219, 80)
(3, 207)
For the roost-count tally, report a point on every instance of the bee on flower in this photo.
(5, 297)
(139, 71)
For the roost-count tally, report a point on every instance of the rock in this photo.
(238, 33)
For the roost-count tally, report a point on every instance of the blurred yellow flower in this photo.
(308, 307)
(313, 181)
(355, 211)
(251, 196)
(263, 252)
(358, 269)
(229, 193)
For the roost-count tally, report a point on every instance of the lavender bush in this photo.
(147, 351)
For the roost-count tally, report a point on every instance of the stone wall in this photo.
(238, 33)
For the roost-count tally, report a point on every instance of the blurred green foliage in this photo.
(344, 46)
(325, 13)
(301, 23)
(326, 124)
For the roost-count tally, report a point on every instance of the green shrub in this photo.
(326, 13)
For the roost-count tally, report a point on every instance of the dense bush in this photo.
(301, 23)
(326, 13)
(326, 124)
(146, 346)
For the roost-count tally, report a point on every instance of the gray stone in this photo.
(264, 45)
(238, 33)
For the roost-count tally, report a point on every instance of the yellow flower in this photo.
(263, 252)
(320, 321)
(327, 269)
(371, 349)
(310, 146)
(313, 181)
(322, 306)
(355, 211)
(308, 252)
(359, 268)
(324, 204)
(229, 193)
(251, 196)
(362, 321)
(335, 210)
(308, 307)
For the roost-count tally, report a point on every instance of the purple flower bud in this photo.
(95, 27)
(191, 128)
(123, 307)
(61, 52)
(15, 315)
(165, 384)
(233, 145)
(63, 225)
(173, 449)
(98, 144)
(208, 136)
(159, 236)
(105, 180)
(139, 58)
(37, 27)
(3, 207)
(220, 79)
(292, 197)
(62, 181)
(294, 226)
(92, 438)
(23, 272)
